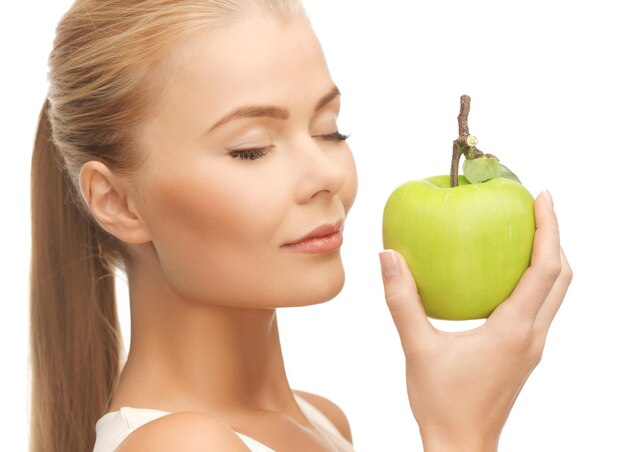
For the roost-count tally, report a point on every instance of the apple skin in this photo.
(467, 246)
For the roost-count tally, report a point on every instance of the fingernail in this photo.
(388, 264)
(547, 197)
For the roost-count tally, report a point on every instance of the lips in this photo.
(324, 230)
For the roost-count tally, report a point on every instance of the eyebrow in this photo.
(271, 111)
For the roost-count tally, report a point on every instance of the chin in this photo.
(318, 286)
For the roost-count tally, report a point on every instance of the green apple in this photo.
(466, 246)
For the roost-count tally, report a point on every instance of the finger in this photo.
(537, 281)
(403, 301)
(555, 297)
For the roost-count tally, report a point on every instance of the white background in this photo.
(548, 97)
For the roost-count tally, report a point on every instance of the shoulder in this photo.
(330, 410)
(184, 432)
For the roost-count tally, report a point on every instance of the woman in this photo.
(194, 145)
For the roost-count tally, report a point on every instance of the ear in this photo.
(110, 205)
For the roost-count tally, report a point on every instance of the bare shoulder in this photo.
(330, 410)
(183, 432)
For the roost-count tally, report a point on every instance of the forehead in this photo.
(254, 59)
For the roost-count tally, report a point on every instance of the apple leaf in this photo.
(505, 172)
(481, 169)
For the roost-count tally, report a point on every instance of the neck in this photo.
(188, 355)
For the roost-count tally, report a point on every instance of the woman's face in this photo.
(220, 212)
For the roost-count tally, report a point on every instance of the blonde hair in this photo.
(108, 59)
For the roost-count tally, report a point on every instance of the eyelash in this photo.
(257, 153)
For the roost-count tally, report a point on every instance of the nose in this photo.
(323, 172)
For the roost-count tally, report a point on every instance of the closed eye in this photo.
(335, 136)
(251, 153)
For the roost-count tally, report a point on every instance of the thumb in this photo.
(403, 300)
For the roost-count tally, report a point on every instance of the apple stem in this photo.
(465, 144)
(464, 116)
(457, 151)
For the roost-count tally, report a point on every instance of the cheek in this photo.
(208, 231)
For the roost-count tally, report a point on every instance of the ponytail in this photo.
(75, 335)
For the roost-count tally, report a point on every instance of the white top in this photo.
(114, 427)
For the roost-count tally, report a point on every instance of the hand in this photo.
(462, 386)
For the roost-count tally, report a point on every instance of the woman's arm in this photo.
(462, 386)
